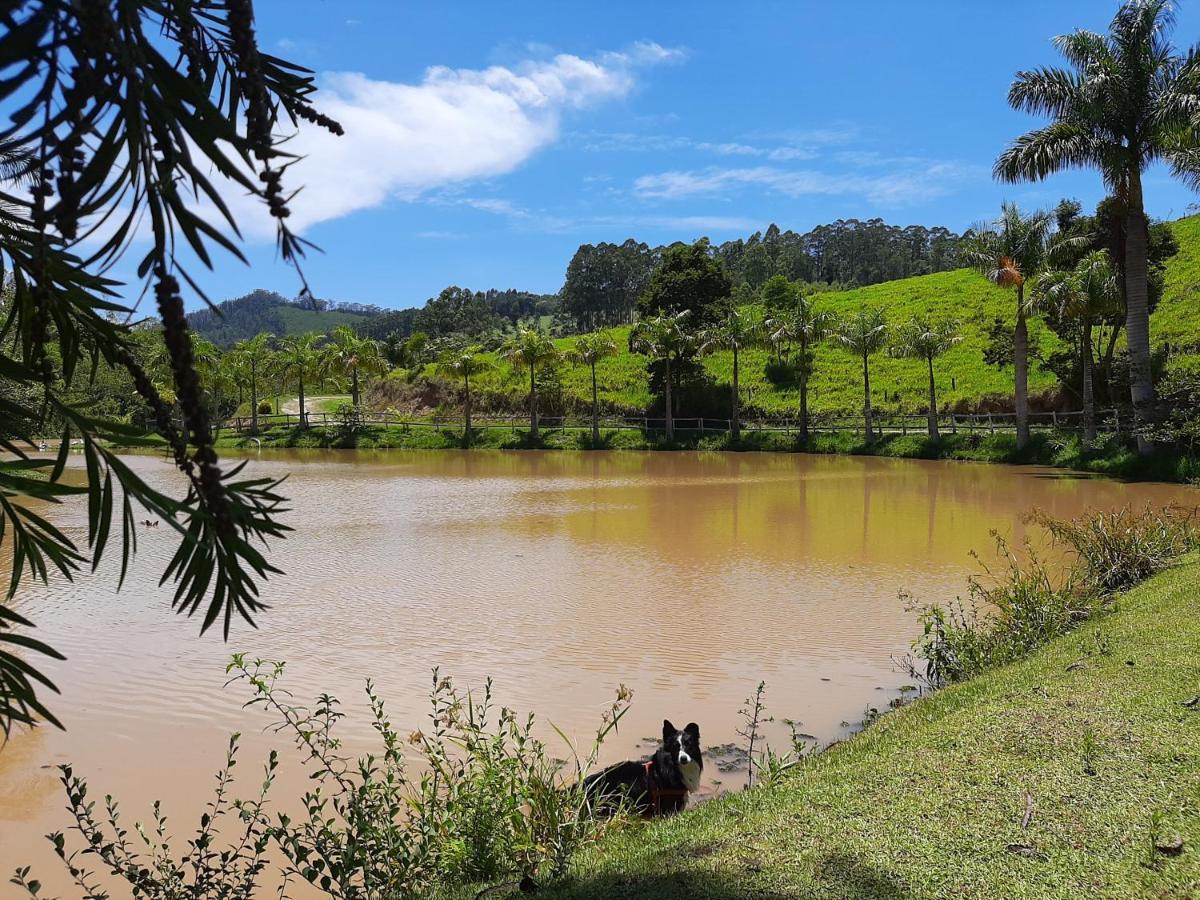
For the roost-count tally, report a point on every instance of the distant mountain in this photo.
(260, 310)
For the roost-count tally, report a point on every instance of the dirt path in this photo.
(326, 402)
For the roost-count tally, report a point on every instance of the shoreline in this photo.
(977, 789)
(1058, 450)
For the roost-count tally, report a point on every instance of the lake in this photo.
(688, 577)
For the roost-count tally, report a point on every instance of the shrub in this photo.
(265, 408)
(349, 419)
(1116, 550)
(489, 804)
(1004, 616)
(1010, 614)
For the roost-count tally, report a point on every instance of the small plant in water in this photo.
(489, 804)
(754, 715)
(148, 865)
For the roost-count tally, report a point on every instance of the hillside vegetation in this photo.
(965, 380)
(266, 311)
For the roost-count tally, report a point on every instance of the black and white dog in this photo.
(658, 785)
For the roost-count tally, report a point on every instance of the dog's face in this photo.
(684, 749)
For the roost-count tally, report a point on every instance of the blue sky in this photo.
(486, 141)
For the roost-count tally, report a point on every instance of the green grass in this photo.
(1049, 449)
(1177, 319)
(928, 802)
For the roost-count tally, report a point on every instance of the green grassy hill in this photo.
(835, 385)
(1177, 319)
(900, 385)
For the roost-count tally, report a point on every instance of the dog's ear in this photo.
(693, 729)
(668, 729)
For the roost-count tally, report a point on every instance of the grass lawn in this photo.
(929, 802)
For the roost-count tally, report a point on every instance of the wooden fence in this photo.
(1108, 421)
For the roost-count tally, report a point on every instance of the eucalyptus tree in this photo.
(1082, 295)
(589, 349)
(299, 357)
(130, 113)
(664, 339)
(1129, 99)
(739, 330)
(863, 333)
(802, 326)
(918, 339)
(531, 348)
(464, 363)
(1009, 252)
(255, 353)
(349, 356)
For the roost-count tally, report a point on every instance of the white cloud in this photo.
(915, 180)
(683, 223)
(455, 126)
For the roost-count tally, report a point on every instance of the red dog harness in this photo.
(656, 793)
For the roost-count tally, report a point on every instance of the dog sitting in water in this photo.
(657, 786)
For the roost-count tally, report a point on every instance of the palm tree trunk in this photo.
(467, 411)
(667, 388)
(1021, 371)
(595, 410)
(933, 409)
(303, 418)
(803, 392)
(253, 396)
(1106, 362)
(1137, 310)
(1089, 400)
(354, 386)
(736, 424)
(868, 425)
(533, 422)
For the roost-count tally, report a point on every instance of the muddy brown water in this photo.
(688, 577)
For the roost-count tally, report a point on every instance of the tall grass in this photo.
(1029, 601)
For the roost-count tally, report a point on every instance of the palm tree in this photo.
(255, 353)
(803, 326)
(589, 349)
(864, 333)
(347, 355)
(463, 364)
(214, 374)
(1127, 101)
(738, 331)
(299, 356)
(663, 338)
(1008, 252)
(530, 347)
(917, 339)
(1082, 295)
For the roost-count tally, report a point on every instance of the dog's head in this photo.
(684, 750)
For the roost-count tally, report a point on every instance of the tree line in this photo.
(604, 281)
